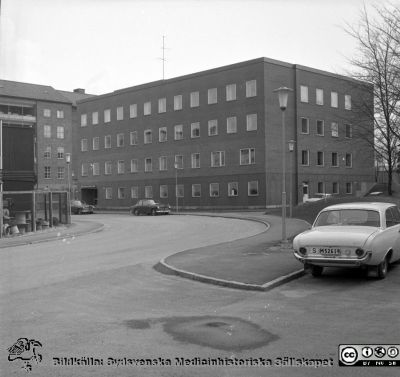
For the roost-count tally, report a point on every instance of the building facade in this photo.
(213, 139)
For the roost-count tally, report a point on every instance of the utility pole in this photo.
(163, 57)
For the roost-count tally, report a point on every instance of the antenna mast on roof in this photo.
(163, 57)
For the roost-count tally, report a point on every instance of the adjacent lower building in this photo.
(213, 139)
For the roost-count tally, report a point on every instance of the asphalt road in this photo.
(96, 298)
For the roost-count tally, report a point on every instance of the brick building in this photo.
(213, 138)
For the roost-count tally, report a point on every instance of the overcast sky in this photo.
(103, 45)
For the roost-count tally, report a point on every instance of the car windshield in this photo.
(359, 217)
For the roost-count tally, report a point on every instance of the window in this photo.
(392, 216)
(194, 99)
(162, 134)
(347, 102)
(305, 157)
(349, 160)
(133, 138)
(214, 190)
(84, 169)
(195, 160)
(349, 131)
(178, 102)
(335, 188)
(47, 113)
(178, 132)
(60, 132)
(217, 159)
(60, 153)
(247, 156)
(212, 96)
(320, 158)
(319, 96)
(163, 163)
(251, 122)
(148, 136)
(305, 126)
(121, 192)
(334, 99)
(120, 113)
(134, 165)
(231, 125)
(195, 130)
(162, 105)
(133, 111)
(108, 193)
(96, 168)
(213, 127)
(47, 172)
(320, 188)
(60, 172)
(84, 145)
(252, 188)
(96, 143)
(95, 117)
(107, 116)
(335, 129)
(134, 192)
(320, 127)
(148, 165)
(121, 167)
(303, 93)
(60, 114)
(251, 88)
(147, 108)
(47, 153)
(233, 189)
(180, 191)
(178, 161)
(107, 141)
(349, 187)
(163, 191)
(107, 167)
(120, 140)
(47, 131)
(335, 160)
(196, 190)
(231, 92)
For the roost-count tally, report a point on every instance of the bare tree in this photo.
(378, 63)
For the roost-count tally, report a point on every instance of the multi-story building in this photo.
(213, 139)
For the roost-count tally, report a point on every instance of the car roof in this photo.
(361, 205)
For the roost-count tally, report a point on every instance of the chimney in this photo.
(79, 90)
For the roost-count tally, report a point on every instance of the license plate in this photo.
(329, 251)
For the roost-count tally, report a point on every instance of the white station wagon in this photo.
(351, 235)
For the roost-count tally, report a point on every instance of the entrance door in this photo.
(305, 191)
(89, 195)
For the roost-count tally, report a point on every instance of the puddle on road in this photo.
(225, 333)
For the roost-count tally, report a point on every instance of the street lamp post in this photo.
(68, 161)
(291, 149)
(176, 186)
(283, 93)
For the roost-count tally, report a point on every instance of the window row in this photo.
(60, 131)
(320, 159)
(60, 172)
(247, 156)
(213, 130)
(214, 190)
(59, 153)
(59, 113)
(194, 101)
(323, 188)
(320, 128)
(320, 97)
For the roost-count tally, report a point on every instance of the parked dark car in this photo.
(149, 207)
(78, 207)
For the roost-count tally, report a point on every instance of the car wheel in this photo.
(153, 212)
(316, 271)
(79, 212)
(382, 269)
(136, 212)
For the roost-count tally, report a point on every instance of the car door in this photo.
(395, 224)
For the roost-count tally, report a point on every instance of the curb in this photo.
(167, 269)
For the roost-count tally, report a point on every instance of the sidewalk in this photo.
(77, 228)
(255, 263)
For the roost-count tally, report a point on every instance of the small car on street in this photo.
(149, 207)
(78, 207)
(351, 235)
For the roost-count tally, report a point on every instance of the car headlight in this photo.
(360, 252)
(303, 250)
